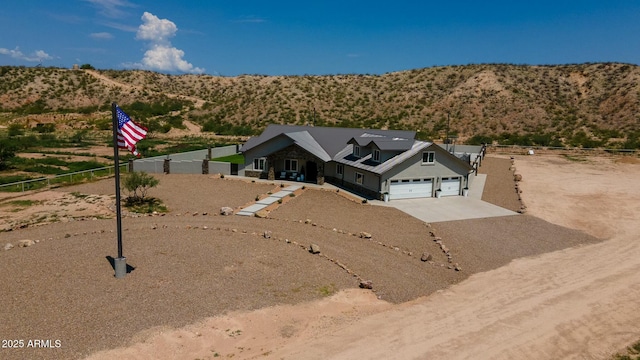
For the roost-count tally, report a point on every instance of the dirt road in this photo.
(577, 303)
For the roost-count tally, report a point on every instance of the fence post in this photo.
(205, 166)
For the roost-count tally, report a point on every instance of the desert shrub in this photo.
(479, 140)
(15, 129)
(138, 183)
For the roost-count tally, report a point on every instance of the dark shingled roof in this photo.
(331, 139)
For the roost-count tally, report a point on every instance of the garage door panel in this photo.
(411, 189)
(450, 187)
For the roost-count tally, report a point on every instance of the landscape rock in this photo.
(26, 243)
(366, 284)
(267, 234)
(426, 257)
(225, 210)
(314, 249)
(262, 214)
(517, 177)
(365, 235)
(8, 246)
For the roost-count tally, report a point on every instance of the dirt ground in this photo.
(207, 286)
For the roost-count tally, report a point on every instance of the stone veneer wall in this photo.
(205, 166)
(255, 174)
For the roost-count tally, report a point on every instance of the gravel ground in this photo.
(188, 265)
(499, 189)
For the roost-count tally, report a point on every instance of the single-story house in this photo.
(371, 162)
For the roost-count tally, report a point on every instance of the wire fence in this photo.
(66, 179)
(519, 149)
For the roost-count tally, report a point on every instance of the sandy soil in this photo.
(197, 275)
(574, 303)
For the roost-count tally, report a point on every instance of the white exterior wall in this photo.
(412, 168)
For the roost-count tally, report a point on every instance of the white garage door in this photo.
(450, 186)
(410, 188)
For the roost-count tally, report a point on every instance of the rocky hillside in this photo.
(590, 105)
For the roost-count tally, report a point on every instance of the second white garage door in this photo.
(450, 186)
(410, 188)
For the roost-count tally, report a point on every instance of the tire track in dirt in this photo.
(198, 103)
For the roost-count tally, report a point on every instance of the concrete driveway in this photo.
(450, 208)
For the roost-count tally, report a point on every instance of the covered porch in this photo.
(295, 164)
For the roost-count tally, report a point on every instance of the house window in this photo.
(259, 164)
(375, 155)
(356, 150)
(428, 157)
(359, 178)
(290, 165)
(339, 169)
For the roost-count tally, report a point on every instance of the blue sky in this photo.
(231, 38)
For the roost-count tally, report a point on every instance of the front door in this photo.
(312, 171)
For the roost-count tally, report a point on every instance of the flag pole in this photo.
(120, 263)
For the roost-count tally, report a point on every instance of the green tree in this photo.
(7, 151)
(138, 184)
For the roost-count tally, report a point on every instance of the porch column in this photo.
(272, 172)
(320, 175)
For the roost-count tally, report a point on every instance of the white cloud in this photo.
(111, 8)
(168, 58)
(118, 26)
(250, 19)
(156, 30)
(37, 56)
(161, 54)
(101, 36)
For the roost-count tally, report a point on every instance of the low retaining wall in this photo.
(191, 162)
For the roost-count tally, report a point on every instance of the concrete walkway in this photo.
(259, 205)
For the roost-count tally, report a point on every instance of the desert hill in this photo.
(588, 105)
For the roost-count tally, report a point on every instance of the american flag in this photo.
(129, 133)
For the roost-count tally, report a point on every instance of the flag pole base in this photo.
(120, 264)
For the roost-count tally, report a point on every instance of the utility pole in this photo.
(447, 139)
